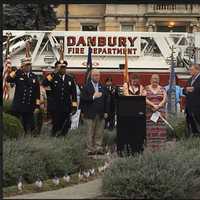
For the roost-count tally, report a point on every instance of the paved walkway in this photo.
(87, 190)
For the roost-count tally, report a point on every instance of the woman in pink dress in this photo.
(155, 99)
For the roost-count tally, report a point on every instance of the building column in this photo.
(150, 27)
(195, 27)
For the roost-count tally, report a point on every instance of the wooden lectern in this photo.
(131, 124)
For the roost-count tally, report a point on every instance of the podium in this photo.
(131, 124)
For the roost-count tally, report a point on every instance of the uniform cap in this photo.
(61, 62)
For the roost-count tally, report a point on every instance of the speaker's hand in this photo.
(189, 89)
(97, 95)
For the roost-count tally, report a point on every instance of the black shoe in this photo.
(90, 152)
(100, 152)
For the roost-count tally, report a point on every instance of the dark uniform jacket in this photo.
(63, 93)
(92, 107)
(112, 94)
(26, 92)
(193, 98)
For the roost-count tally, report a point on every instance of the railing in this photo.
(173, 8)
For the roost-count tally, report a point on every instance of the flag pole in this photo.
(6, 69)
(171, 106)
(89, 64)
(125, 74)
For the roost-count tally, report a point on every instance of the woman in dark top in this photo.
(134, 87)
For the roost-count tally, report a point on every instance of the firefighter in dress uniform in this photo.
(63, 94)
(27, 94)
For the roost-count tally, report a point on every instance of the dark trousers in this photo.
(110, 121)
(38, 121)
(61, 123)
(193, 123)
(27, 120)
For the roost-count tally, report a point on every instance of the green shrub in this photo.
(12, 126)
(179, 125)
(110, 137)
(44, 156)
(166, 174)
(7, 107)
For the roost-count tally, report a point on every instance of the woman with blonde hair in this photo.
(156, 100)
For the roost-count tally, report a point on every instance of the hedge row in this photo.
(167, 174)
(43, 156)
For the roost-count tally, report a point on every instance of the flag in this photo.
(171, 106)
(172, 77)
(126, 77)
(89, 64)
(6, 71)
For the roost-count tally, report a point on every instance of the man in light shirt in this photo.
(179, 94)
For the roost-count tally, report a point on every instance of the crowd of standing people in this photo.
(60, 96)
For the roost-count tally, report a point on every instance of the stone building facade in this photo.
(134, 17)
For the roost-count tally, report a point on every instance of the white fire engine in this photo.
(147, 51)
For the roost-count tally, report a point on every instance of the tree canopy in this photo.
(29, 17)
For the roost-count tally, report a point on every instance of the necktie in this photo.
(96, 87)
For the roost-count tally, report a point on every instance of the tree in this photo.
(29, 17)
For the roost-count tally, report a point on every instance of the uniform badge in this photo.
(70, 83)
(21, 79)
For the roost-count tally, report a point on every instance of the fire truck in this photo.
(148, 52)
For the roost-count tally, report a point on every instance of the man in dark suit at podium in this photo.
(95, 103)
(192, 92)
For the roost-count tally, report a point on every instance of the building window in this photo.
(171, 29)
(89, 27)
(127, 27)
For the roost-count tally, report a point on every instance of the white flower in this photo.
(92, 171)
(86, 174)
(66, 178)
(19, 186)
(107, 164)
(38, 183)
(56, 181)
(80, 176)
(100, 169)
